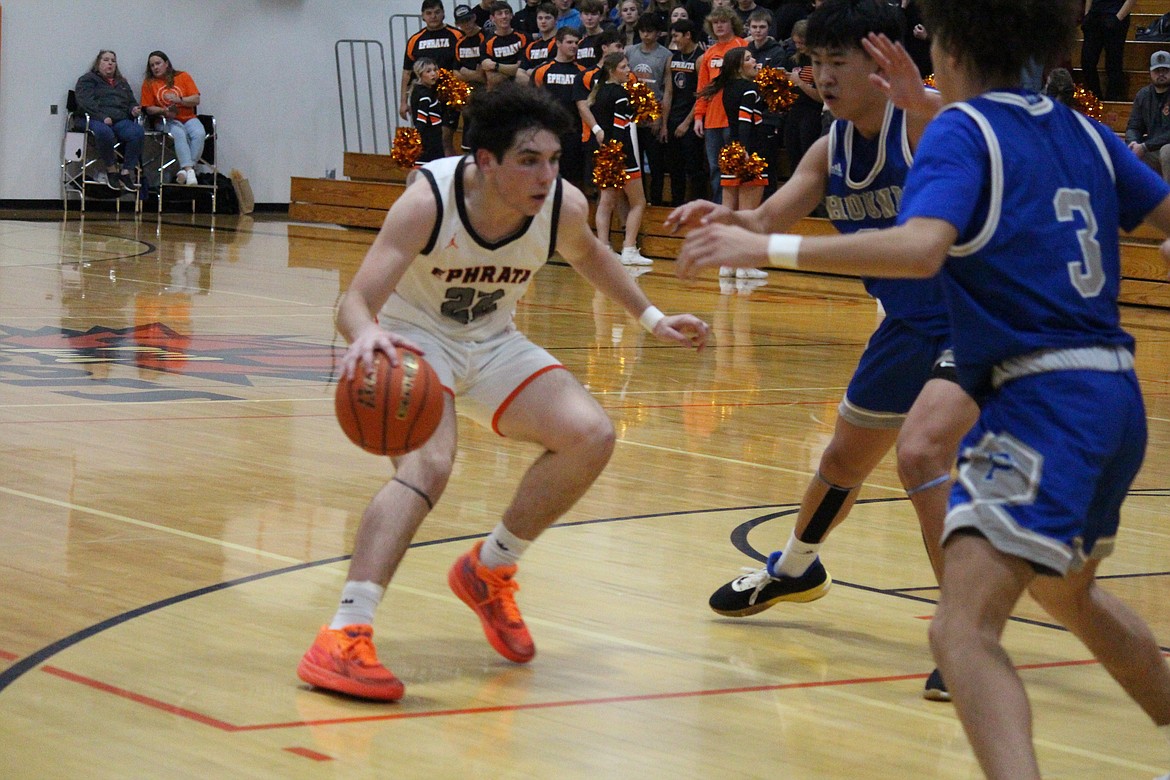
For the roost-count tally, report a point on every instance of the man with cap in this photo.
(1148, 130)
(469, 48)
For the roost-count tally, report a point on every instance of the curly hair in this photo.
(997, 38)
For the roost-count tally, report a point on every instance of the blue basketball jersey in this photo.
(864, 192)
(1037, 262)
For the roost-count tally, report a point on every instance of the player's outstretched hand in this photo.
(374, 339)
(897, 75)
(685, 329)
(696, 213)
(717, 245)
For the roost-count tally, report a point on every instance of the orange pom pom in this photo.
(775, 89)
(732, 158)
(451, 89)
(929, 81)
(407, 147)
(753, 168)
(1087, 103)
(642, 101)
(609, 166)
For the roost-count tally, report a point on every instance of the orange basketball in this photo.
(390, 411)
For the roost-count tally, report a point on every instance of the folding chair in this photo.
(205, 167)
(80, 163)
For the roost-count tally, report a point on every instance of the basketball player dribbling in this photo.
(454, 255)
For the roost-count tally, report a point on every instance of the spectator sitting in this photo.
(106, 96)
(170, 96)
(1148, 130)
(1060, 87)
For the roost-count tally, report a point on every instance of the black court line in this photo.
(738, 539)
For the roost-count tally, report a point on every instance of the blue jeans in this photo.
(128, 131)
(715, 139)
(188, 137)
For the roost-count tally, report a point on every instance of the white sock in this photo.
(358, 602)
(797, 557)
(502, 548)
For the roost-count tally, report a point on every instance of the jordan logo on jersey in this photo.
(451, 244)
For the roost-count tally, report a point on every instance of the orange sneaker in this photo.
(491, 594)
(344, 660)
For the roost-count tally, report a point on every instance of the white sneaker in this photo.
(191, 177)
(631, 256)
(637, 270)
(726, 270)
(181, 176)
(100, 177)
(750, 273)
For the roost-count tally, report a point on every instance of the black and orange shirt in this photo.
(437, 45)
(505, 49)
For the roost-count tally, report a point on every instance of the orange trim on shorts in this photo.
(512, 397)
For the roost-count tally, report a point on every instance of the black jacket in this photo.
(1149, 120)
(101, 100)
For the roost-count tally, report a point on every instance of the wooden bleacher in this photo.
(374, 183)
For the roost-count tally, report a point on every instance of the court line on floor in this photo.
(830, 685)
(148, 525)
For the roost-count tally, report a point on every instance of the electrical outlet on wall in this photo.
(53, 109)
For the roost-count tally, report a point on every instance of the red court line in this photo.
(313, 754)
(140, 699)
(230, 727)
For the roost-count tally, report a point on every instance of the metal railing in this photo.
(357, 76)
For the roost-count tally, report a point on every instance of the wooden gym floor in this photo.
(177, 503)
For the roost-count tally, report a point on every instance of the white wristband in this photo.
(651, 317)
(596, 129)
(782, 250)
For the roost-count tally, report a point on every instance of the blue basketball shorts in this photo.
(897, 362)
(1043, 473)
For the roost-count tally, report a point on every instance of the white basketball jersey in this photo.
(461, 285)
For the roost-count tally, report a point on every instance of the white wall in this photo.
(265, 68)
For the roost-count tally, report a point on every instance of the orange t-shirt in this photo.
(710, 110)
(156, 92)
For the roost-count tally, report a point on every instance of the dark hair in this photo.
(547, 8)
(841, 24)
(761, 14)
(567, 30)
(684, 26)
(498, 5)
(591, 6)
(429, 4)
(609, 35)
(169, 76)
(648, 23)
(1040, 31)
(497, 117)
(730, 71)
(1060, 86)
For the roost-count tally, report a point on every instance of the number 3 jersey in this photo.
(1037, 193)
(461, 285)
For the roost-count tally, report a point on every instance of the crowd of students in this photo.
(677, 49)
